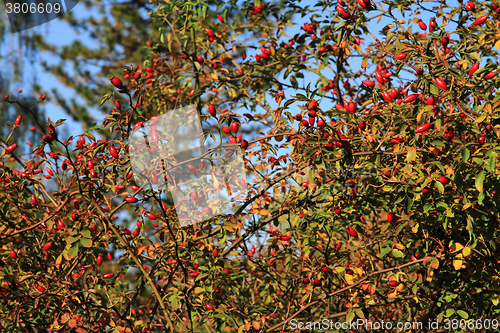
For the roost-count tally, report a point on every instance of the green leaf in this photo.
(219, 6)
(477, 160)
(434, 90)
(359, 313)
(59, 122)
(104, 99)
(449, 312)
(390, 34)
(465, 154)
(463, 314)
(383, 252)
(70, 252)
(492, 162)
(301, 97)
(86, 234)
(440, 166)
(438, 143)
(94, 127)
(435, 263)
(412, 153)
(479, 181)
(86, 242)
(224, 15)
(481, 118)
(310, 176)
(73, 239)
(350, 315)
(480, 70)
(439, 186)
(470, 226)
(294, 83)
(397, 253)
(475, 56)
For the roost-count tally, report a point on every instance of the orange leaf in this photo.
(457, 264)
(72, 323)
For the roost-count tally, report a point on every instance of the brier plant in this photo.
(311, 94)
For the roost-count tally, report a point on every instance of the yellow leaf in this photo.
(497, 45)
(263, 212)
(400, 246)
(466, 251)
(411, 155)
(364, 63)
(408, 169)
(419, 116)
(151, 249)
(216, 183)
(435, 263)
(233, 92)
(456, 247)
(457, 264)
(488, 107)
(139, 249)
(349, 279)
(58, 261)
(495, 301)
(467, 205)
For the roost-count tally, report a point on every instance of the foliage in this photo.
(371, 196)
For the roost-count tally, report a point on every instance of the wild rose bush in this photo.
(417, 243)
